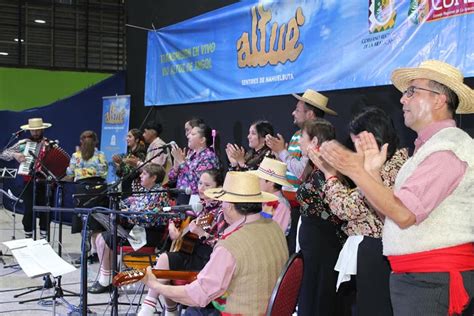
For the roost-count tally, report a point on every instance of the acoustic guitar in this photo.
(186, 240)
(135, 275)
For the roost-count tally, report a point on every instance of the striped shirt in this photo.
(294, 160)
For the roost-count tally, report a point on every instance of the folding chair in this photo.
(286, 291)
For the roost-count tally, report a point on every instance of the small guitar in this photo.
(132, 276)
(186, 240)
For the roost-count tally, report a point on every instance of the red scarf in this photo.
(452, 259)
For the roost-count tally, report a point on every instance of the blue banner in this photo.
(262, 48)
(115, 120)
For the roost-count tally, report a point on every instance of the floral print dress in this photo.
(187, 174)
(148, 202)
(351, 206)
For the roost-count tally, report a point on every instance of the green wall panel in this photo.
(22, 89)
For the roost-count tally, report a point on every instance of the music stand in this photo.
(9, 173)
(104, 220)
(38, 258)
(50, 178)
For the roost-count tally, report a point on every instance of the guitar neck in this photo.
(175, 275)
(132, 276)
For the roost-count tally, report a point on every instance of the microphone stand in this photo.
(13, 137)
(113, 204)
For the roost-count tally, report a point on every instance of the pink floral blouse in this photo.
(350, 204)
(188, 173)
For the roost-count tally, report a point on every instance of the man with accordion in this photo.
(25, 151)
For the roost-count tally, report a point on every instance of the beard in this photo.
(37, 137)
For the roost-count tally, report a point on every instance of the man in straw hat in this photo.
(245, 263)
(272, 174)
(36, 126)
(310, 105)
(428, 228)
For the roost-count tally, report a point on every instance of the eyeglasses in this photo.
(411, 89)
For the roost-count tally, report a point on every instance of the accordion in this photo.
(54, 158)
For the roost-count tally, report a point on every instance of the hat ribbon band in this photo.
(222, 192)
(272, 173)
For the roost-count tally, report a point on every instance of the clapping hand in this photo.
(178, 154)
(320, 163)
(374, 158)
(117, 159)
(342, 159)
(235, 154)
(276, 144)
(131, 161)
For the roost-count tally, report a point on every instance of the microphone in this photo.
(166, 146)
(196, 208)
(18, 133)
(13, 197)
(53, 143)
(186, 191)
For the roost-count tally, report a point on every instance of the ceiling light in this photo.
(16, 40)
(4, 53)
(40, 21)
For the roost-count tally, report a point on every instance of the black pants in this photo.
(40, 199)
(291, 238)
(193, 262)
(373, 279)
(320, 247)
(416, 294)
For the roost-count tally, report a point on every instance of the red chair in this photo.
(139, 259)
(287, 289)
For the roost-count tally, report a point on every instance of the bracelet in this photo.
(330, 178)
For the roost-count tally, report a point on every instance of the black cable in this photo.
(146, 117)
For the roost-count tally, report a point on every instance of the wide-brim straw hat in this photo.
(272, 170)
(440, 72)
(34, 124)
(315, 99)
(240, 187)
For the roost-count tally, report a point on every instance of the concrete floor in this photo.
(14, 281)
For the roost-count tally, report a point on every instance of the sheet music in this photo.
(45, 256)
(37, 258)
(17, 243)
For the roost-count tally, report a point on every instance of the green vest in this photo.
(260, 251)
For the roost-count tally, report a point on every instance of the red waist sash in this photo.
(451, 259)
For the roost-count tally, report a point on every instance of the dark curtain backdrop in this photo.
(233, 118)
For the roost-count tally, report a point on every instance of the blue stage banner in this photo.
(262, 48)
(115, 120)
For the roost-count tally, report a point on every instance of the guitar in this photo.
(135, 275)
(186, 240)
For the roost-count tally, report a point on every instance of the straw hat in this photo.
(315, 99)
(272, 170)
(440, 72)
(240, 187)
(34, 124)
